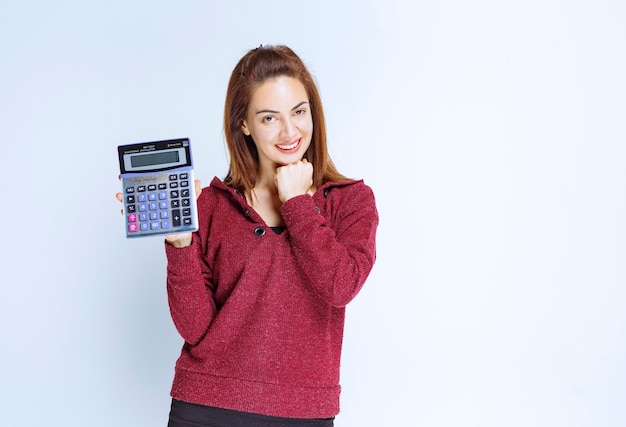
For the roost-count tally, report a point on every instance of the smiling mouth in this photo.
(289, 147)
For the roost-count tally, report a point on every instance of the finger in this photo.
(118, 196)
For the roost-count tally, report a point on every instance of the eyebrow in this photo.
(278, 112)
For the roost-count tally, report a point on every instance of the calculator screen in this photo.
(154, 156)
(158, 158)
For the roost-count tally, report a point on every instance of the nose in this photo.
(288, 129)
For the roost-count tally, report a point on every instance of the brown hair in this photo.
(252, 70)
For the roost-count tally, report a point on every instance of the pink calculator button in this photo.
(132, 217)
(133, 228)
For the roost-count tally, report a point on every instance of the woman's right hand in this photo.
(178, 240)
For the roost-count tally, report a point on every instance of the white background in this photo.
(492, 132)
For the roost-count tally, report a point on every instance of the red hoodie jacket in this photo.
(262, 314)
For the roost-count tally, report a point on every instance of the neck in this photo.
(265, 177)
(264, 184)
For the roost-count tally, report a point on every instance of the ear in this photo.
(244, 128)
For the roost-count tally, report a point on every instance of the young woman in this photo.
(285, 242)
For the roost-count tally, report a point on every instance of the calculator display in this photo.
(158, 188)
(153, 156)
(158, 158)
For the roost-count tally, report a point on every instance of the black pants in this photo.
(183, 414)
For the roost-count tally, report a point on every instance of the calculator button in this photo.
(186, 202)
(155, 225)
(187, 221)
(143, 216)
(132, 217)
(176, 217)
(130, 199)
(184, 183)
(175, 203)
(165, 214)
(152, 187)
(133, 228)
(130, 190)
(186, 211)
(163, 204)
(144, 226)
(174, 194)
(173, 184)
(131, 208)
(184, 193)
(184, 175)
(173, 177)
(163, 195)
(143, 207)
(154, 216)
(162, 186)
(152, 196)
(165, 224)
(141, 189)
(153, 206)
(142, 197)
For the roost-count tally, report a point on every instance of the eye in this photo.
(269, 119)
(300, 112)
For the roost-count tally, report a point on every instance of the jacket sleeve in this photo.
(336, 258)
(191, 301)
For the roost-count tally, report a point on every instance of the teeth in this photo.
(288, 147)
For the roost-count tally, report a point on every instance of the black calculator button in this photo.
(184, 175)
(162, 186)
(186, 202)
(176, 218)
(184, 183)
(141, 189)
(174, 194)
(130, 199)
(130, 190)
(152, 187)
(173, 177)
(186, 211)
(131, 208)
(184, 193)
(173, 184)
(187, 221)
(175, 203)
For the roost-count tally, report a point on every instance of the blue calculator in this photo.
(158, 188)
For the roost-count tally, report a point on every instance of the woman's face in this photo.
(279, 121)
